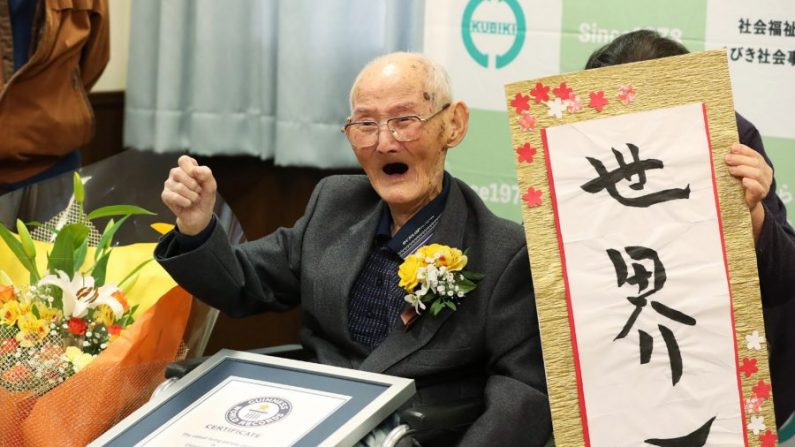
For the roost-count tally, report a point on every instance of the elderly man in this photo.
(340, 261)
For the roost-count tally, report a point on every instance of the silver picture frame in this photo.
(373, 397)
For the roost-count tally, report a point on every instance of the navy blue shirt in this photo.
(21, 12)
(376, 300)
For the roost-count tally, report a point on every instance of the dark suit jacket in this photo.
(775, 256)
(490, 346)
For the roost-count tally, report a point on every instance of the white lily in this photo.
(415, 301)
(79, 294)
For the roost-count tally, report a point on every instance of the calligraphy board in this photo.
(642, 255)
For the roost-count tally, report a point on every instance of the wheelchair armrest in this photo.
(445, 416)
(182, 367)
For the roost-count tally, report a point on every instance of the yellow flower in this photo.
(78, 358)
(454, 260)
(9, 313)
(451, 258)
(408, 272)
(47, 313)
(104, 315)
(31, 329)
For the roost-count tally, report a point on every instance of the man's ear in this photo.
(459, 123)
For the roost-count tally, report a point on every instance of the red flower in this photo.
(762, 390)
(563, 92)
(532, 197)
(540, 92)
(8, 345)
(114, 329)
(521, 102)
(749, 367)
(77, 326)
(598, 100)
(768, 439)
(526, 152)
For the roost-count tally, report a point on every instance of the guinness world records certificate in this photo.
(243, 412)
(241, 399)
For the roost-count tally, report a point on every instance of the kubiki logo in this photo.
(493, 29)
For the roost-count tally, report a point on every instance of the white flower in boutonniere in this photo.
(434, 275)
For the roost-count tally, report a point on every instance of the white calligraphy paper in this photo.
(647, 286)
(247, 413)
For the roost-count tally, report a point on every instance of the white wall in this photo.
(114, 77)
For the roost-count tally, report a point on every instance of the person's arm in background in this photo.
(773, 235)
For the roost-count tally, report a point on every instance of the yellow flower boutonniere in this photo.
(434, 275)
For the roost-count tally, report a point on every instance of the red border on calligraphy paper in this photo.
(554, 202)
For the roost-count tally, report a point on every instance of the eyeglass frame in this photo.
(392, 131)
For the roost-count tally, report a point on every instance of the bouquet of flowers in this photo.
(68, 335)
(53, 327)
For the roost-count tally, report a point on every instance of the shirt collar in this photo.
(418, 229)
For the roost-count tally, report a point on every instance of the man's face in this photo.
(406, 175)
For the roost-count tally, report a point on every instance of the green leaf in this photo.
(35, 311)
(19, 252)
(451, 305)
(27, 241)
(473, 276)
(107, 236)
(100, 269)
(134, 271)
(428, 297)
(80, 255)
(57, 298)
(69, 239)
(118, 210)
(80, 193)
(465, 285)
(436, 307)
(129, 283)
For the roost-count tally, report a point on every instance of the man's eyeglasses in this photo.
(403, 128)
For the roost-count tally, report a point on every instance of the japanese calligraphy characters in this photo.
(640, 240)
(608, 180)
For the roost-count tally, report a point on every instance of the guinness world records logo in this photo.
(258, 411)
(515, 30)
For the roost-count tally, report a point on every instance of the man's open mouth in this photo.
(395, 168)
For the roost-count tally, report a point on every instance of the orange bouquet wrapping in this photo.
(117, 382)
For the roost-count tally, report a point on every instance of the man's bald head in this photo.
(436, 82)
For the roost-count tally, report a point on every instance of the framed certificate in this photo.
(243, 399)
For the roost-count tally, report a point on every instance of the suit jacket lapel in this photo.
(401, 342)
(352, 249)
